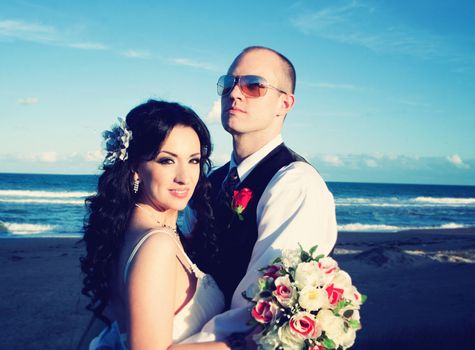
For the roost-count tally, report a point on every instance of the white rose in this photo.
(353, 295)
(334, 328)
(291, 257)
(289, 340)
(342, 280)
(329, 267)
(346, 339)
(309, 274)
(332, 325)
(312, 299)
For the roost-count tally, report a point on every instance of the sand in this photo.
(420, 286)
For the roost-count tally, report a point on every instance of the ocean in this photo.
(33, 205)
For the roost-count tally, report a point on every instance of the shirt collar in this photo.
(249, 163)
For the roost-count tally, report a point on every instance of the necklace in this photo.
(149, 213)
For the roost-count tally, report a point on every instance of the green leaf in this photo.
(277, 260)
(318, 257)
(261, 283)
(341, 304)
(355, 324)
(328, 343)
(363, 298)
(305, 257)
(348, 313)
(270, 284)
(265, 294)
(244, 295)
(313, 249)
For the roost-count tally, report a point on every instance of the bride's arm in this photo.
(201, 346)
(151, 294)
(240, 343)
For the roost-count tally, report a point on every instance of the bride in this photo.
(136, 269)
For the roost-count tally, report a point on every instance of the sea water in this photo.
(53, 205)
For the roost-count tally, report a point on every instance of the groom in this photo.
(289, 202)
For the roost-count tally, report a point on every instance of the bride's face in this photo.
(168, 181)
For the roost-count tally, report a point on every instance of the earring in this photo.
(136, 186)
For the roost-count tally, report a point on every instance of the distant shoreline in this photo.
(326, 180)
(436, 231)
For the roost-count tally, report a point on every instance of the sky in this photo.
(385, 89)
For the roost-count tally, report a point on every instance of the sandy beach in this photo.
(419, 286)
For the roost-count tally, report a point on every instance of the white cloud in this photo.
(214, 115)
(44, 34)
(48, 157)
(27, 101)
(94, 156)
(333, 160)
(371, 163)
(88, 46)
(356, 23)
(191, 63)
(26, 31)
(456, 160)
(330, 86)
(136, 54)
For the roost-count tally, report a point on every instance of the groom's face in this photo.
(245, 115)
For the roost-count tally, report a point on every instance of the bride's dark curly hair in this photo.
(110, 209)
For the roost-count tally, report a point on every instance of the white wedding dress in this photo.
(207, 302)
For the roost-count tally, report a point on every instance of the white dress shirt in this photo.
(295, 207)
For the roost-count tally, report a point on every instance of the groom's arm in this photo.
(295, 208)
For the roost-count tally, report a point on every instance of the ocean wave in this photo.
(26, 229)
(44, 194)
(390, 228)
(452, 225)
(368, 227)
(449, 201)
(393, 202)
(389, 205)
(44, 201)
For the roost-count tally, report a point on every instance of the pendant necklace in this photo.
(149, 213)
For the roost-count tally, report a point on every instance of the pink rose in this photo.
(264, 311)
(328, 265)
(334, 294)
(305, 326)
(317, 347)
(284, 292)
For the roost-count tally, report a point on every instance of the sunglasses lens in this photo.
(253, 85)
(225, 84)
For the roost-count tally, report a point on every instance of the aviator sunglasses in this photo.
(250, 85)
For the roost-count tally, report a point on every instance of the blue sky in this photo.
(384, 88)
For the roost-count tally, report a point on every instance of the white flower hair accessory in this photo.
(116, 142)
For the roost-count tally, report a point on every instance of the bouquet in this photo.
(304, 302)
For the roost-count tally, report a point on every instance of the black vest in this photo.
(236, 238)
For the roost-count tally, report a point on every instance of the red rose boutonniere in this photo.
(240, 200)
